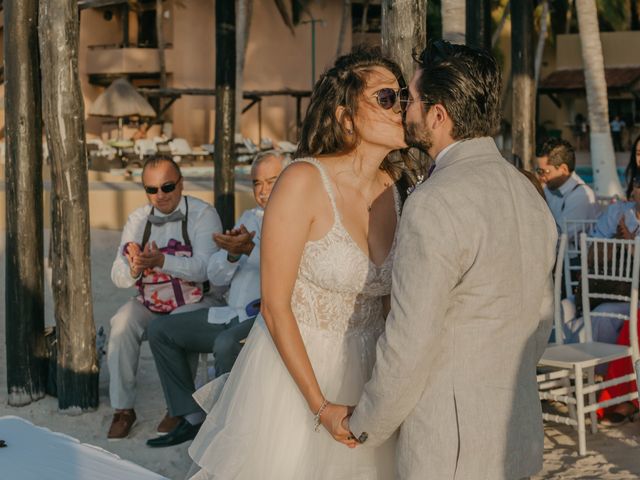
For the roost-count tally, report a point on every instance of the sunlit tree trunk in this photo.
(454, 21)
(404, 25)
(603, 161)
(345, 23)
(63, 109)
(523, 104)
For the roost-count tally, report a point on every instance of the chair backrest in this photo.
(179, 146)
(573, 229)
(145, 146)
(557, 290)
(616, 261)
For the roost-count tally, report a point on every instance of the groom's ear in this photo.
(439, 116)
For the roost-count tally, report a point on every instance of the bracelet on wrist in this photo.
(233, 258)
(316, 418)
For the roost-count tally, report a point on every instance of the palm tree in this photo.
(63, 113)
(454, 21)
(606, 180)
(403, 28)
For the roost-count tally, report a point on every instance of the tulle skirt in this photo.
(259, 425)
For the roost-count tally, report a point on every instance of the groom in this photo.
(471, 304)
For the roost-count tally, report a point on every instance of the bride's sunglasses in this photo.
(165, 187)
(388, 98)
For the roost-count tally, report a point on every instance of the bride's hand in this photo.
(333, 418)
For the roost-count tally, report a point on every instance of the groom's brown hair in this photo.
(467, 82)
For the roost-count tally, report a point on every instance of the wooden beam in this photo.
(24, 273)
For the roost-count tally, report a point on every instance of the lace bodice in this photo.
(339, 289)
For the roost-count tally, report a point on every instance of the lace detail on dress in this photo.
(339, 288)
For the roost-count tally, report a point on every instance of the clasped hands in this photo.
(623, 231)
(237, 241)
(142, 260)
(335, 418)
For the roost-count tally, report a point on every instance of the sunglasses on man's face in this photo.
(389, 98)
(543, 171)
(166, 188)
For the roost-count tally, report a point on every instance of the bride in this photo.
(328, 242)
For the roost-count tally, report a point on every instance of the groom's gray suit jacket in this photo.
(471, 312)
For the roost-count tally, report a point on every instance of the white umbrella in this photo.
(119, 100)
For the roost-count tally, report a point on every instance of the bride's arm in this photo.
(287, 223)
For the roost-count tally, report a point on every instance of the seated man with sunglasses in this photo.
(164, 250)
(235, 267)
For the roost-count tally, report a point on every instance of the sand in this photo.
(613, 452)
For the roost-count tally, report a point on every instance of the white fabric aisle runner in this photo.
(36, 453)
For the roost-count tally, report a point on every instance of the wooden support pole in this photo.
(24, 277)
(522, 60)
(224, 153)
(63, 110)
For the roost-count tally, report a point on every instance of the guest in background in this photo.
(236, 267)
(568, 196)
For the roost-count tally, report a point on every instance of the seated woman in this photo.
(619, 220)
(620, 413)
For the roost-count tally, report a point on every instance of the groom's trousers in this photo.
(175, 338)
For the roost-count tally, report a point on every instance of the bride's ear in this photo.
(344, 119)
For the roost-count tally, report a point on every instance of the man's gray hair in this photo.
(284, 157)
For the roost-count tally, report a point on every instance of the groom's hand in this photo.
(333, 418)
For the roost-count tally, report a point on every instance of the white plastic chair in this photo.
(145, 146)
(573, 229)
(577, 361)
(179, 146)
(557, 290)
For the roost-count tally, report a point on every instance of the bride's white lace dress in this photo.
(259, 426)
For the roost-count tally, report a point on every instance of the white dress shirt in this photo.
(242, 276)
(202, 222)
(574, 200)
(607, 225)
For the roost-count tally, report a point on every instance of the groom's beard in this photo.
(416, 135)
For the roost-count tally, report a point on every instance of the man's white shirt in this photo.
(202, 222)
(242, 276)
(574, 200)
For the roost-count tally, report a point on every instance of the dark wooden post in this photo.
(478, 26)
(64, 124)
(161, 55)
(24, 276)
(224, 154)
(523, 127)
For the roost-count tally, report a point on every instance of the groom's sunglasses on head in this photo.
(165, 187)
(389, 98)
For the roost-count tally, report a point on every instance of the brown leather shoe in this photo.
(121, 424)
(168, 423)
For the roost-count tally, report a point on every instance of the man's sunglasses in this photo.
(166, 187)
(543, 171)
(389, 98)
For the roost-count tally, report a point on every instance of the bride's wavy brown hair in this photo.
(343, 85)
